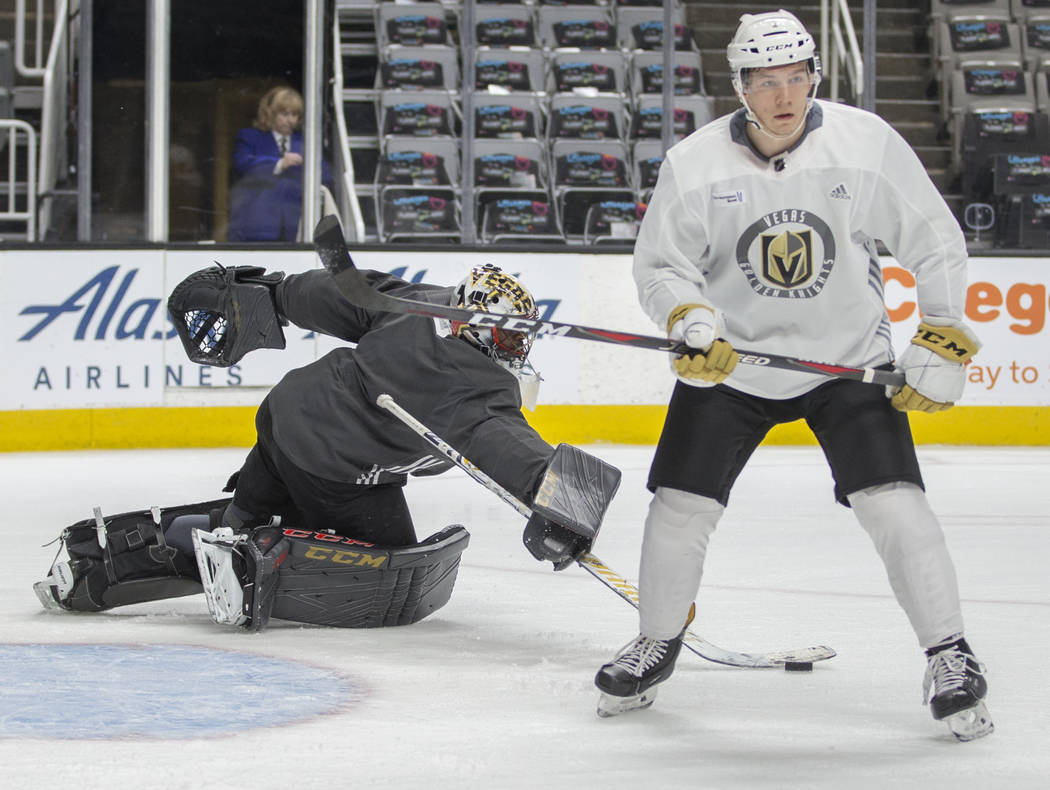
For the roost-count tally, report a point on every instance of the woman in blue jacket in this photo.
(266, 200)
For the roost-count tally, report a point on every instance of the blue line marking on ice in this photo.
(156, 691)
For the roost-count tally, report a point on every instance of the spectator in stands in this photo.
(266, 201)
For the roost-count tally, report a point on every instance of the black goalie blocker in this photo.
(222, 313)
(569, 506)
(123, 559)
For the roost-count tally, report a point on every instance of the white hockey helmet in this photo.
(489, 289)
(775, 38)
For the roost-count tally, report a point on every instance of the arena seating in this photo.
(992, 59)
(565, 98)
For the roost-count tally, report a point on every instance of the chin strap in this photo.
(752, 118)
(773, 135)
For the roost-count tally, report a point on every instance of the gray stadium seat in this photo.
(575, 115)
(585, 172)
(628, 18)
(1022, 9)
(603, 70)
(1035, 40)
(983, 37)
(647, 73)
(509, 115)
(578, 26)
(691, 112)
(418, 68)
(504, 25)
(516, 69)
(411, 24)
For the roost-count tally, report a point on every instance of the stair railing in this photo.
(53, 104)
(37, 67)
(346, 164)
(843, 48)
(13, 133)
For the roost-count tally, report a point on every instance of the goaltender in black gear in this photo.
(318, 529)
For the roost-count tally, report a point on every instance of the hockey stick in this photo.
(331, 248)
(599, 569)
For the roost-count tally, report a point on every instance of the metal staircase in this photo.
(21, 98)
(357, 59)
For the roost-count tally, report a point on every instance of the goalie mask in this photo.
(488, 289)
(766, 41)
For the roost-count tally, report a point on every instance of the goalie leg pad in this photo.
(575, 490)
(119, 560)
(323, 578)
(331, 580)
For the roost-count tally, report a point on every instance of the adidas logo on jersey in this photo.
(840, 192)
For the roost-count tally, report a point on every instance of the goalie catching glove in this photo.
(222, 313)
(699, 326)
(569, 506)
(934, 366)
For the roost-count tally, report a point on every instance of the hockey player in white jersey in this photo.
(761, 233)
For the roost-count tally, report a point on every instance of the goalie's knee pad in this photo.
(327, 579)
(122, 559)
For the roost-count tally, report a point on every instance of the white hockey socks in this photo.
(909, 539)
(677, 530)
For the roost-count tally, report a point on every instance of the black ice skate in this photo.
(627, 682)
(959, 687)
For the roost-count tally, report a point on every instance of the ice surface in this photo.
(495, 690)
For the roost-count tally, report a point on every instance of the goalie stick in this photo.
(603, 572)
(332, 250)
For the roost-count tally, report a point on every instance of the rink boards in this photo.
(91, 360)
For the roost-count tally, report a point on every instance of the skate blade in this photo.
(43, 592)
(971, 724)
(55, 587)
(609, 706)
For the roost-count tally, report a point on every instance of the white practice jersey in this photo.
(786, 247)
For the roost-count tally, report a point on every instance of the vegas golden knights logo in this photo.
(787, 258)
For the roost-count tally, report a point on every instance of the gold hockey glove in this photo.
(934, 366)
(699, 326)
(712, 367)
